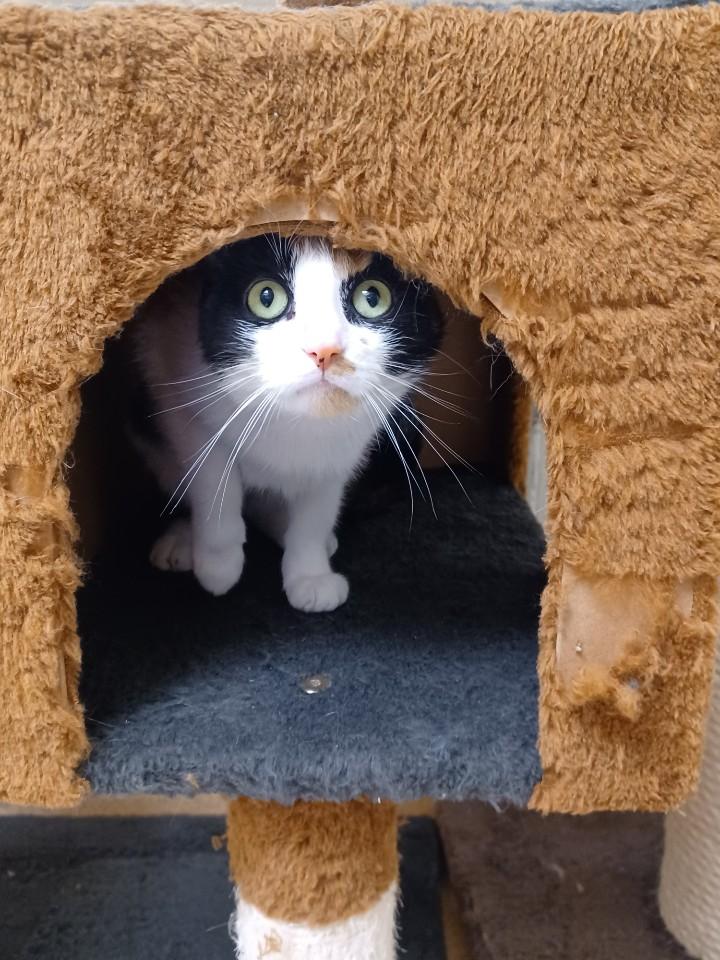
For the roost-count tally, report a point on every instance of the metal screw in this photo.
(315, 683)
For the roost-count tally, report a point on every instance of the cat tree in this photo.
(552, 174)
(690, 876)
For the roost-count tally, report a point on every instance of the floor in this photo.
(157, 888)
(524, 887)
(556, 888)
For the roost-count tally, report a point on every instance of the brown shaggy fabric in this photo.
(312, 863)
(568, 162)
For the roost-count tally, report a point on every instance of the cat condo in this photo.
(552, 177)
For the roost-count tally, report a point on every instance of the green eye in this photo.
(372, 299)
(267, 299)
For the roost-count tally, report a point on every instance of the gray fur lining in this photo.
(432, 664)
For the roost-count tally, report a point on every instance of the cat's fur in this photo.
(275, 415)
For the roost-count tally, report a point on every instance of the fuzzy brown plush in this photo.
(563, 166)
(312, 863)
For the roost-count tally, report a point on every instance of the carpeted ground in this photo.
(154, 888)
(557, 887)
(430, 682)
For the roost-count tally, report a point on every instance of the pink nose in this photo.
(324, 356)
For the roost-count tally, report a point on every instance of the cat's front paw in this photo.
(317, 594)
(219, 569)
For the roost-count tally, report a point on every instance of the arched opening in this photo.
(423, 683)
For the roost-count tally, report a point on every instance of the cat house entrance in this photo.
(422, 683)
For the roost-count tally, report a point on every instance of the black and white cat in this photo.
(270, 375)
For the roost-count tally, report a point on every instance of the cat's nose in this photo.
(324, 356)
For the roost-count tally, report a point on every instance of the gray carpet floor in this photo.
(156, 889)
(431, 664)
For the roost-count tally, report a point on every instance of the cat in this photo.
(270, 368)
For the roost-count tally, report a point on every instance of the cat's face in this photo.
(324, 329)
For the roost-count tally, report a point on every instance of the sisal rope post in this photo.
(690, 875)
(314, 881)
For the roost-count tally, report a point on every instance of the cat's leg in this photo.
(218, 528)
(212, 542)
(309, 581)
(173, 548)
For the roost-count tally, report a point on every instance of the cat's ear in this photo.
(218, 259)
(214, 270)
(430, 298)
(210, 277)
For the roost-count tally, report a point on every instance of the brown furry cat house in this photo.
(553, 176)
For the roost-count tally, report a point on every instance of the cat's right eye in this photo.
(372, 299)
(267, 299)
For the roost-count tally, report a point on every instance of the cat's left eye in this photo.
(267, 299)
(372, 299)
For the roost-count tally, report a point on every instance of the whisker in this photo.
(414, 455)
(203, 376)
(460, 366)
(199, 413)
(412, 417)
(412, 369)
(496, 354)
(272, 242)
(497, 390)
(247, 432)
(449, 393)
(383, 413)
(219, 392)
(205, 450)
(200, 386)
(235, 450)
(419, 420)
(266, 405)
(424, 392)
(396, 446)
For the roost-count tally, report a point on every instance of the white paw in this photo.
(173, 550)
(219, 569)
(332, 545)
(326, 591)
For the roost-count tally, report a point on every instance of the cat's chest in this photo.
(292, 452)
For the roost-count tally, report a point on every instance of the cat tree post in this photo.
(690, 877)
(314, 881)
